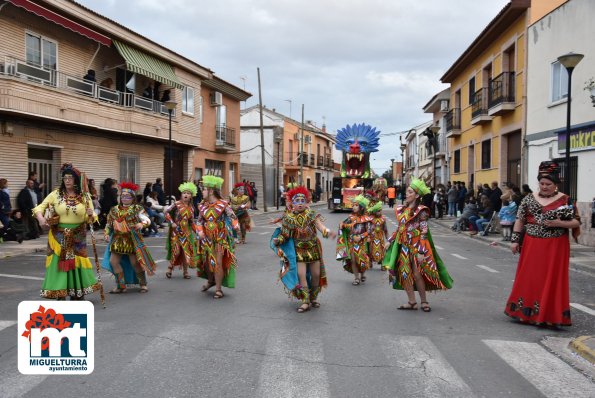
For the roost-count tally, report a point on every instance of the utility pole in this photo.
(302, 150)
(264, 177)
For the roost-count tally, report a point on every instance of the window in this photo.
(457, 161)
(214, 167)
(129, 167)
(222, 116)
(471, 90)
(486, 154)
(41, 51)
(188, 100)
(559, 82)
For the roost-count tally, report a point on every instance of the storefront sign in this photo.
(581, 139)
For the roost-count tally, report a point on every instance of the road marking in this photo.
(583, 308)
(6, 324)
(293, 366)
(264, 233)
(37, 255)
(160, 261)
(438, 247)
(549, 374)
(459, 256)
(34, 278)
(487, 268)
(422, 368)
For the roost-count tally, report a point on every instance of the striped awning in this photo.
(147, 65)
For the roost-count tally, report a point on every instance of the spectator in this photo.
(318, 191)
(17, 228)
(107, 83)
(94, 197)
(90, 76)
(109, 199)
(37, 186)
(148, 92)
(391, 193)
(507, 192)
(438, 202)
(198, 197)
(5, 206)
(147, 191)
(452, 196)
(470, 210)
(156, 208)
(165, 97)
(158, 187)
(507, 215)
(486, 216)
(156, 91)
(485, 191)
(26, 201)
(461, 196)
(495, 195)
(526, 190)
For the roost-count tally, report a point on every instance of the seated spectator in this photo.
(148, 92)
(165, 97)
(20, 228)
(153, 229)
(107, 83)
(486, 215)
(156, 208)
(90, 76)
(470, 210)
(507, 215)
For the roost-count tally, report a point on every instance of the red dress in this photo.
(540, 293)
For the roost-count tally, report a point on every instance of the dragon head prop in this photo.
(357, 142)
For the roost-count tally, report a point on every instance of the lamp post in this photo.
(569, 61)
(278, 135)
(170, 105)
(403, 146)
(392, 170)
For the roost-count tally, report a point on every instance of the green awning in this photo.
(147, 65)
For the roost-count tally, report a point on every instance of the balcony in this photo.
(320, 162)
(312, 160)
(225, 139)
(453, 122)
(49, 93)
(329, 163)
(479, 107)
(502, 98)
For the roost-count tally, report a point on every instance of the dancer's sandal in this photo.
(118, 290)
(218, 295)
(207, 286)
(363, 278)
(315, 304)
(186, 276)
(426, 307)
(355, 282)
(143, 289)
(409, 306)
(303, 308)
(168, 273)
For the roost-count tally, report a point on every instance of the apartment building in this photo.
(78, 87)
(436, 146)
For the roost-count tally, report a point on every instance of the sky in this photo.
(347, 61)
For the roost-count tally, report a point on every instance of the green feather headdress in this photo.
(212, 181)
(375, 207)
(419, 187)
(188, 187)
(361, 200)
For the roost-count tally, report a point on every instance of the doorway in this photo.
(41, 161)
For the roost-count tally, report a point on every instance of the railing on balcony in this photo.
(453, 119)
(502, 89)
(225, 137)
(320, 162)
(11, 66)
(479, 106)
(312, 160)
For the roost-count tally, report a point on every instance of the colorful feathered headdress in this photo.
(375, 207)
(419, 187)
(361, 200)
(129, 187)
(188, 187)
(210, 181)
(300, 190)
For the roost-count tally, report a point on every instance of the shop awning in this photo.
(62, 21)
(147, 65)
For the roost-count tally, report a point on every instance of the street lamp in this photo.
(392, 170)
(278, 136)
(403, 146)
(170, 105)
(569, 61)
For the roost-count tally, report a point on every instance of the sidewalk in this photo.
(581, 258)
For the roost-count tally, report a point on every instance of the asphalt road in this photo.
(178, 342)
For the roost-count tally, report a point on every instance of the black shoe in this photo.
(20, 240)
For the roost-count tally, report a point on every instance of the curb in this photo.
(580, 346)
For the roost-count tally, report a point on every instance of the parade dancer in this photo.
(240, 203)
(302, 266)
(181, 244)
(126, 255)
(69, 271)
(411, 258)
(352, 243)
(216, 223)
(379, 234)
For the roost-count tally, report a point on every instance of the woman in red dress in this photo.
(540, 291)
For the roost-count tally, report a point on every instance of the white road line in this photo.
(35, 278)
(583, 308)
(422, 368)
(487, 268)
(6, 324)
(160, 261)
(458, 256)
(549, 374)
(15, 384)
(37, 255)
(438, 247)
(264, 233)
(293, 367)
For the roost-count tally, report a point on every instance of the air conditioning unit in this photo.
(444, 106)
(216, 99)
(308, 139)
(296, 136)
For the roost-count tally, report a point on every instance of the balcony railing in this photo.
(320, 162)
(225, 137)
(329, 163)
(502, 89)
(312, 160)
(479, 106)
(453, 120)
(35, 74)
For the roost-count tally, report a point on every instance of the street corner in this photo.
(585, 347)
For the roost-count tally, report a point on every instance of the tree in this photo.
(388, 175)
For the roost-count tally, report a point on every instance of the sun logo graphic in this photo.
(56, 337)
